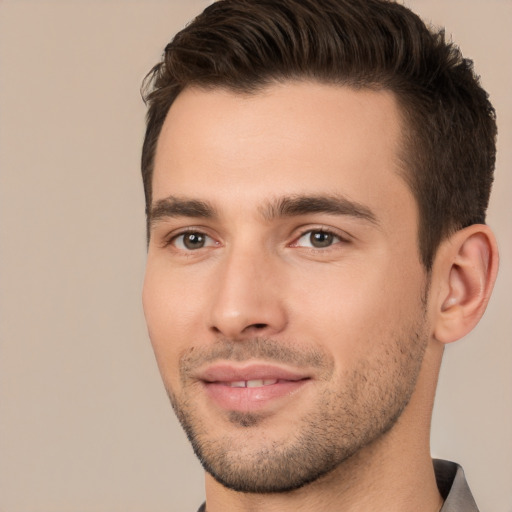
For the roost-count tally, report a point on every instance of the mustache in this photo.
(266, 349)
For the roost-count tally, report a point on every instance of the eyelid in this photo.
(341, 235)
(170, 238)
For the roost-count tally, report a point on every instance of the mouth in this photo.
(255, 383)
(251, 388)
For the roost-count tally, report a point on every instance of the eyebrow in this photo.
(287, 206)
(180, 207)
(334, 204)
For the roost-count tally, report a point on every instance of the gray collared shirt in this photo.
(452, 485)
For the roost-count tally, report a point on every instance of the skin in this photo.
(358, 316)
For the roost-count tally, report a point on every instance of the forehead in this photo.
(292, 138)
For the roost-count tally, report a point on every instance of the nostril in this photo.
(259, 326)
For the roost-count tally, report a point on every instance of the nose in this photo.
(247, 298)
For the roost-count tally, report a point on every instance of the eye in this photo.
(192, 240)
(317, 239)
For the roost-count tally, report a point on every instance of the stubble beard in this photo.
(348, 415)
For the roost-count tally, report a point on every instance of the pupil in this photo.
(321, 239)
(193, 241)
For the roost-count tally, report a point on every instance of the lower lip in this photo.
(251, 399)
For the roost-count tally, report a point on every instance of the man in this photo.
(316, 177)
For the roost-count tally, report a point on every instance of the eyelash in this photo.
(324, 231)
(171, 240)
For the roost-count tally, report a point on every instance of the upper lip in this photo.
(229, 372)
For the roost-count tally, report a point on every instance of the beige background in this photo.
(85, 424)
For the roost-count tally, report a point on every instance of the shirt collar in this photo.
(453, 487)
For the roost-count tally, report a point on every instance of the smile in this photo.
(252, 387)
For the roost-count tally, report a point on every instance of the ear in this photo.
(464, 272)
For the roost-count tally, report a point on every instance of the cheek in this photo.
(171, 312)
(351, 309)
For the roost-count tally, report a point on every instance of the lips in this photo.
(250, 388)
(226, 372)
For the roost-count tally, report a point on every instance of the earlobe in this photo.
(465, 269)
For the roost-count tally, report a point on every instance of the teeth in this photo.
(237, 384)
(257, 383)
(254, 383)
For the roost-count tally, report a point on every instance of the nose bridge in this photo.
(246, 301)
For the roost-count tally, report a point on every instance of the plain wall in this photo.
(85, 424)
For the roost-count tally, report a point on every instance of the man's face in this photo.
(284, 293)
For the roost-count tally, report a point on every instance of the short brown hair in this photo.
(450, 128)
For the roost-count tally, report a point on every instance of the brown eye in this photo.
(192, 240)
(321, 239)
(317, 239)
